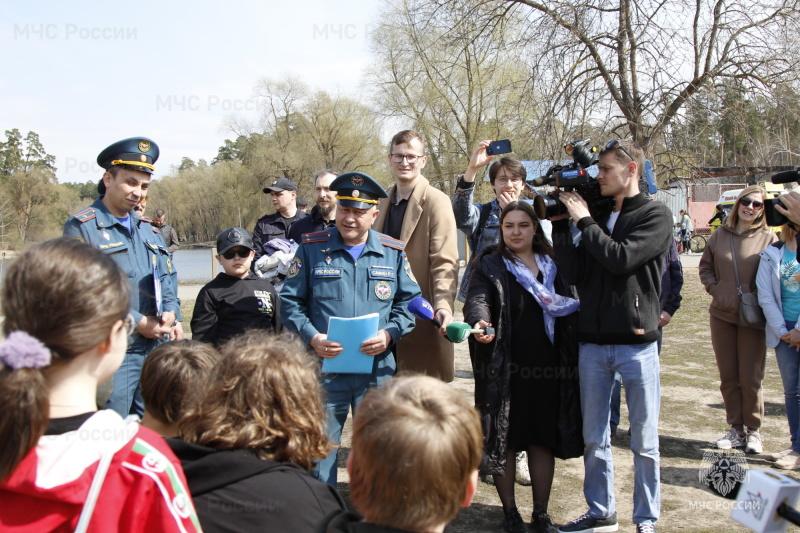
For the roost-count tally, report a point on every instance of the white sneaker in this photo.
(780, 455)
(732, 439)
(754, 444)
(523, 474)
(790, 461)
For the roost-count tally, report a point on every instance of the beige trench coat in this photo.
(429, 231)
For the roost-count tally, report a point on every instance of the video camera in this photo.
(573, 177)
(771, 215)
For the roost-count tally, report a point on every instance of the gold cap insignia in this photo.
(144, 146)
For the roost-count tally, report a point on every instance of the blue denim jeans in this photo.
(616, 392)
(343, 393)
(126, 398)
(639, 367)
(789, 365)
(616, 400)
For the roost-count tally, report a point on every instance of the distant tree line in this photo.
(696, 84)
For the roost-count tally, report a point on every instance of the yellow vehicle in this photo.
(728, 198)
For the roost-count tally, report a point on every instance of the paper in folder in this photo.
(350, 333)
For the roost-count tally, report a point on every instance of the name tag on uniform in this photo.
(327, 272)
(381, 272)
(111, 245)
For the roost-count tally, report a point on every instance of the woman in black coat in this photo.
(526, 377)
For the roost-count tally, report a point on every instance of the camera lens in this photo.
(547, 205)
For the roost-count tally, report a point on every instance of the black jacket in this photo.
(618, 276)
(235, 491)
(349, 522)
(270, 227)
(487, 300)
(227, 306)
(310, 224)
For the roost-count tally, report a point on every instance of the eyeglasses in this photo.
(241, 252)
(412, 159)
(512, 180)
(129, 324)
(747, 201)
(616, 144)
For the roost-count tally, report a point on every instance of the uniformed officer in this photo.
(112, 226)
(349, 271)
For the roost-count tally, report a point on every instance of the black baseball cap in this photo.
(233, 237)
(281, 184)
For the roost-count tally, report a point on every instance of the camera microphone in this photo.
(786, 176)
(538, 182)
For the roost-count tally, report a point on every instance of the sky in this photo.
(85, 74)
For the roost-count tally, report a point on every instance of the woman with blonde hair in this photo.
(252, 437)
(727, 270)
(778, 283)
(64, 466)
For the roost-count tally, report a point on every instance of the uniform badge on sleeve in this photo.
(294, 267)
(407, 268)
(383, 290)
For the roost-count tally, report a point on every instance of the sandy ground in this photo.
(692, 416)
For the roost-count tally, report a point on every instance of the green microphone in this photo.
(459, 331)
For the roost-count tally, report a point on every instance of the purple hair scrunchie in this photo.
(21, 350)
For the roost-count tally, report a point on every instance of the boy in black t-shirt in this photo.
(236, 300)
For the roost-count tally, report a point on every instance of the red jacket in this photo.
(144, 488)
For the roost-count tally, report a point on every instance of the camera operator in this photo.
(616, 266)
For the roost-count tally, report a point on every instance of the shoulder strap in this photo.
(486, 210)
(317, 236)
(735, 268)
(86, 215)
(391, 242)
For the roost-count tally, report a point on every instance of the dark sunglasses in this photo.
(746, 201)
(616, 144)
(241, 252)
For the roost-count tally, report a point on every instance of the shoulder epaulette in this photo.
(86, 215)
(390, 242)
(317, 236)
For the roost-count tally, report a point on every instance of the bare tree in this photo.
(454, 81)
(651, 57)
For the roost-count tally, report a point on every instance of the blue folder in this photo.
(350, 333)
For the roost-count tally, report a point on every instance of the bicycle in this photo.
(697, 242)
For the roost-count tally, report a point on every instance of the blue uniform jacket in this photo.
(324, 280)
(134, 253)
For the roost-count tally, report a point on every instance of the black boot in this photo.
(514, 522)
(541, 523)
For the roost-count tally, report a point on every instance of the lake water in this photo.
(194, 266)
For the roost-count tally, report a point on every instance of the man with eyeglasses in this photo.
(236, 300)
(111, 225)
(421, 215)
(616, 266)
